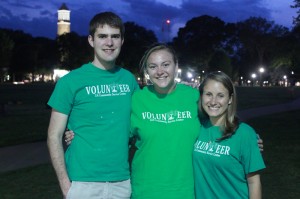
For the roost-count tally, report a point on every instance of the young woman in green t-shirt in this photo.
(226, 157)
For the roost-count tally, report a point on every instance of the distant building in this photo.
(63, 23)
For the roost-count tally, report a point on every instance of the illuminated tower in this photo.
(63, 23)
(166, 31)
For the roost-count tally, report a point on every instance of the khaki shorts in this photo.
(100, 190)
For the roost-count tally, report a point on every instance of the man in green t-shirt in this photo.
(94, 101)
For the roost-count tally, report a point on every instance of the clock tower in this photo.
(63, 23)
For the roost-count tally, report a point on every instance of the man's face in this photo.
(107, 42)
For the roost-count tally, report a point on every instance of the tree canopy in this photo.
(296, 19)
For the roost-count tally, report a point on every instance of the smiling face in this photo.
(215, 101)
(107, 42)
(161, 68)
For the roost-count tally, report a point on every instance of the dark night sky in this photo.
(39, 18)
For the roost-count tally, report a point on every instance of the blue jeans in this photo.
(100, 190)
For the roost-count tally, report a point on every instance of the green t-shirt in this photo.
(98, 103)
(166, 127)
(221, 167)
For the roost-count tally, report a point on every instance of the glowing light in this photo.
(58, 73)
(261, 70)
(189, 75)
(18, 82)
(177, 79)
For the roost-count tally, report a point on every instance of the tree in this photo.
(24, 61)
(294, 41)
(296, 20)
(259, 38)
(74, 50)
(137, 40)
(23, 52)
(220, 61)
(47, 56)
(35, 56)
(6, 49)
(198, 40)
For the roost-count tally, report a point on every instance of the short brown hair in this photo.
(108, 18)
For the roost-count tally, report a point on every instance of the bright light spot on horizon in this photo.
(189, 74)
(261, 70)
(58, 73)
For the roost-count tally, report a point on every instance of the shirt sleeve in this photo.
(62, 97)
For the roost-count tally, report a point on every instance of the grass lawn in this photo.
(37, 182)
(281, 136)
(24, 116)
(24, 123)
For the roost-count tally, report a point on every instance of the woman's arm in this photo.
(69, 136)
(254, 185)
(260, 143)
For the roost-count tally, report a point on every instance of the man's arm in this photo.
(254, 185)
(56, 129)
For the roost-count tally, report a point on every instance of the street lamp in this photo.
(253, 77)
(285, 80)
(189, 75)
(179, 72)
(166, 25)
(241, 80)
(261, 70)
(202, 75)
(178, 77)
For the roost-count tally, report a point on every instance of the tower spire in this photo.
(63, 22)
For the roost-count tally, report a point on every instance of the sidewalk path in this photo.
(24, 155)
(31, 154)
(267, 110)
